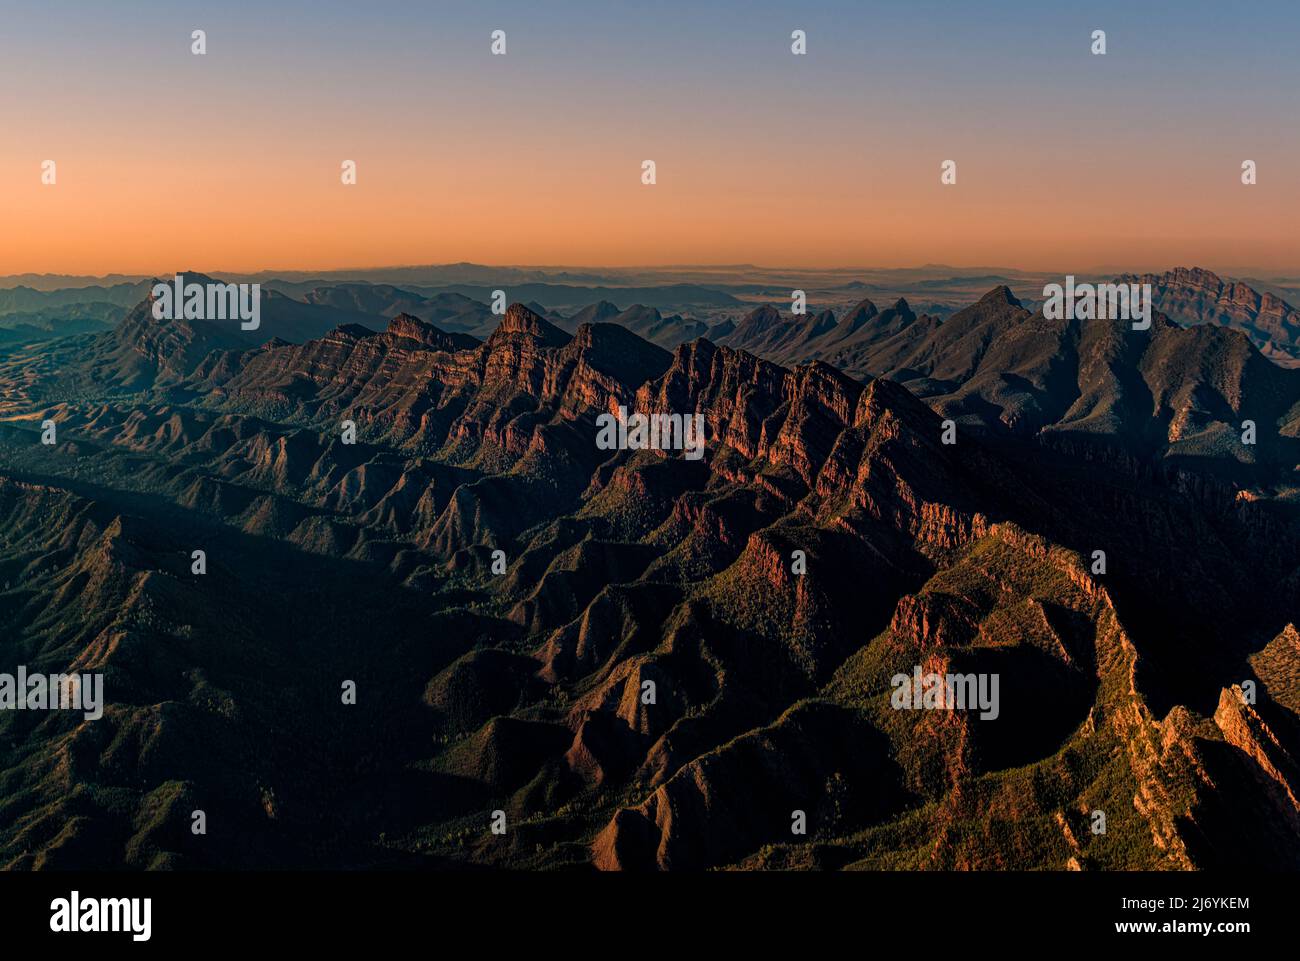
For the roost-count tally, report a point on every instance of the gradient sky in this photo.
(231, 161)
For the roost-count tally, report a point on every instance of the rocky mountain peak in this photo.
(859, 315)
(520, 322)
(998, 296)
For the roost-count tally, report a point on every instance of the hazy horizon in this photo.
(7, 281)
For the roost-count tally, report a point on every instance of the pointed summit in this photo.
(519, 321)
(859, 315)
(1000, 295)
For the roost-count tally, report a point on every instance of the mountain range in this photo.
(645, 661)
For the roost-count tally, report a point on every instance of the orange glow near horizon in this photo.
(136, 215)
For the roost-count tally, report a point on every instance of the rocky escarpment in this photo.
(1194, 296)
